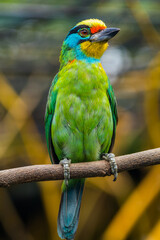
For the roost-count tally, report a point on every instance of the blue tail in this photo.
(69, 209)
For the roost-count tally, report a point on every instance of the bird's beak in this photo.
(104, 35)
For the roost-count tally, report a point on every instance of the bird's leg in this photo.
(110, 157)
(66, 165)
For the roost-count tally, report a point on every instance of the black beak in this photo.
(104, 35)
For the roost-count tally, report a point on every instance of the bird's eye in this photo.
(84, 32)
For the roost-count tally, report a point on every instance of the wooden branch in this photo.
(100, 168)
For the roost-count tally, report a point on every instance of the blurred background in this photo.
(31, 35)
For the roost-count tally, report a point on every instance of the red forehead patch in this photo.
(95, 29)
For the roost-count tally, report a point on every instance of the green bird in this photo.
(81, 113)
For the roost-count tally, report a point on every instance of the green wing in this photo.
(50, 108)
(113, 104)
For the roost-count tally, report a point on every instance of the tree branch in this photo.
(100, 168)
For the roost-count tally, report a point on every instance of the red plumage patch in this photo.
(96, 29)
(72, 61)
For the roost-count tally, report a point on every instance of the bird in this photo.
(81, 114)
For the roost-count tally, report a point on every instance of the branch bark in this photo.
(100, 168)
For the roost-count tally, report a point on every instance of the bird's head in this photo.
(86, 41)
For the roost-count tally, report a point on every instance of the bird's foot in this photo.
(110, 157)
(66, 165)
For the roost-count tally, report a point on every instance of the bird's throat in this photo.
(94, 49)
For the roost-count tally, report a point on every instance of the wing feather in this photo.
(49, 113)
(113, 105)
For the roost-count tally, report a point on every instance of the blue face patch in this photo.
(75, 39)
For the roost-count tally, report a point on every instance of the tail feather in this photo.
(69, 209)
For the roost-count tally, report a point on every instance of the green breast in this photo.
(82, 125)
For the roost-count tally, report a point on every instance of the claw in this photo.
(110, 157)
(66, 165)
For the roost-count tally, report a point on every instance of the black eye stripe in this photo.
(81, 41)
(75, 30)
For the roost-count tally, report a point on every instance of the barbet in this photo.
(81, 114)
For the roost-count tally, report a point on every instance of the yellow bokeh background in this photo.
(31, 38)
